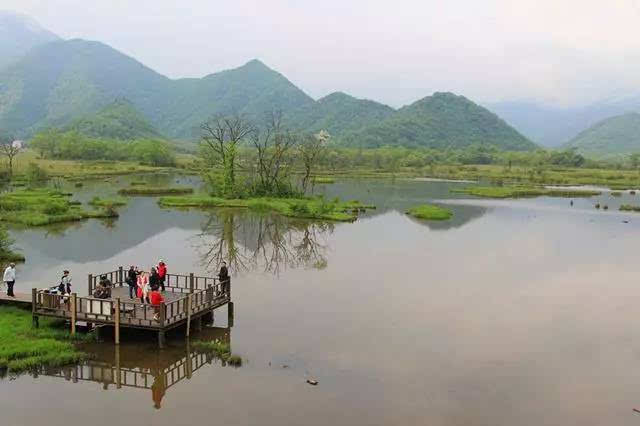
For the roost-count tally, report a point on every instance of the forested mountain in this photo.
(612, 136)
(119, 120)
(443, 120)
(70, 83)
(553, 127)
(62, 81)
(18, 34)
(339, 113)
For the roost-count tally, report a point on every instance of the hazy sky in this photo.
(394, 51)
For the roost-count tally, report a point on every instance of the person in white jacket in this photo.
(10, 278)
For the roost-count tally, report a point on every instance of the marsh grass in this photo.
(23, 347)
(430, 212)
(107, 202)
(152, 190)
(323, 180)
(305, 208)
(38, 207)
(219, 349)
(523, 192)
(629, 208)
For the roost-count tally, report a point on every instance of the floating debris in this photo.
(312, 382)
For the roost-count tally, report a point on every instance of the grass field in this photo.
(153, 190)
(523, 192)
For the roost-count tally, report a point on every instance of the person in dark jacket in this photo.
(223, 276)
(154, 280)
(132, 281)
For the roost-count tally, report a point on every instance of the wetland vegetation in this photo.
(430, 212)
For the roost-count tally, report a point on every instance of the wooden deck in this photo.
(20, 299)
(187, 299)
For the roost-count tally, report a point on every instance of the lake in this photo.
(513, 313)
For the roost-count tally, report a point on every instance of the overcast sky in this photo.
(562, 52)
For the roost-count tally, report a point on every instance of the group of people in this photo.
(143, 284)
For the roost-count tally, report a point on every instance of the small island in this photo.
(430, 212)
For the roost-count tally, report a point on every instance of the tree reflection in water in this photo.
(249, 241)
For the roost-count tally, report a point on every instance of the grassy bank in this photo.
(220, 349)
(23, 347)
(153, 190)
(629, 208)
(523, 192)
(44, 207)
(307, 208)
(430, 212)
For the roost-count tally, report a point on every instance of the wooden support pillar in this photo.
(117, 321)
(74, 312)
(120, 276)
(97, 331)
(118, 371)
(191, 282)
(198, 324)
(230, 314)
(34, 302)
(161, 339)
(189, 315)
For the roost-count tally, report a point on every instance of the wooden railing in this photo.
(177, 283)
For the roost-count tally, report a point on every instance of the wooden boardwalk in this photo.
(20, 299)
(187, 299)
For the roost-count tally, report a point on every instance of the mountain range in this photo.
(18, 34)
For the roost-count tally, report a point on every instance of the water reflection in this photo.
(269, 242)
(138, 366)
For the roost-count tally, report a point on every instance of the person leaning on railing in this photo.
(223, 276)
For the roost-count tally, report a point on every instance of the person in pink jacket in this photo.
(143, 287)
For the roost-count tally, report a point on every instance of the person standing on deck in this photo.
(132, 281)
(154, 280)
(65, 283)
(162, 273)
(223, 276)
(143, 287)
(10, 278)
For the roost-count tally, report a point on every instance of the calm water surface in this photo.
(513, 313)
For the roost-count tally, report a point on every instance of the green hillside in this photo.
(612, 136)
(339, 113)
(443, 120)
(57, 83)
(119, 120)
(18, 34)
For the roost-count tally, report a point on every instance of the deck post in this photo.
(191, 282)
(163, 313)
(117, 321)
(89, 289)
(118, 371)
(161, 339)
(120, 276)
(198, 324)
(74, 313)
(34, 301)
(230, 314)
(188, 315)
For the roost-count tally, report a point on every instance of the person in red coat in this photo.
(156, 299)
(162, 273)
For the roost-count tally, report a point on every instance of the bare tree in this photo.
(220, 137)
(9, 150)
(311, 150)
(274, 146)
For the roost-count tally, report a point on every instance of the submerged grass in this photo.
(23, 347)
(430, 212)
(306, 208)
(107, 202)
(152, 190)
(523, 192)
(322, 179)
(221, 349)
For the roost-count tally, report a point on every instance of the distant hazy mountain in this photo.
(339, 113)
(119, 120)
(553, 127)
(443, 120)
(18, 34)
(612, 136)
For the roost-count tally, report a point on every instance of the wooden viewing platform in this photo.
(187, 299)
